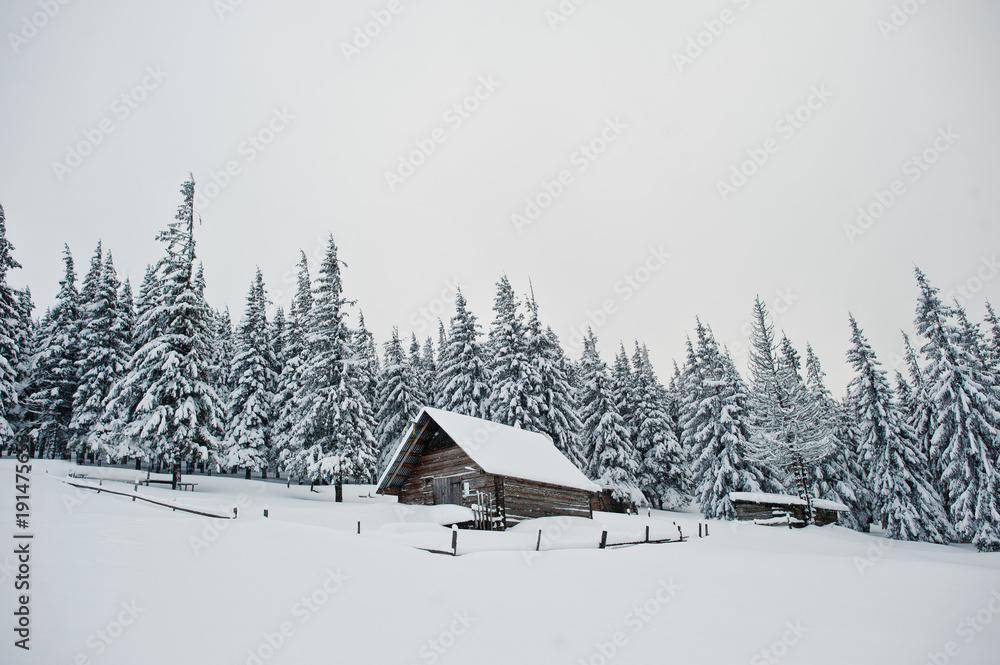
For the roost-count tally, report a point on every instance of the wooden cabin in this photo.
(782, 509)
(504, 474)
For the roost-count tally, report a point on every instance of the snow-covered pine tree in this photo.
(965, 421)
(513, 398)
(429, 367)
(24, 341)
(333, 419)
(276, 333)
(993, 346)
(398, 399)
(223, 345)
(558, 418)
(106, 349)
(49, 407)
(621, 386)
(663, 471)
(611, 457)
(419, 371)
(840, 476)
(248, 430)
(293, 354)
(368, 365)
(789, 358)
(11, 325)
(168, 404)
(463, 373)
(906, 503)
(790, 431)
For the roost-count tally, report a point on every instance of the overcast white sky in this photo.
(880, 95)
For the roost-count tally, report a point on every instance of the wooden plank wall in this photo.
(525, 499)
(448, 461)
(764, 511)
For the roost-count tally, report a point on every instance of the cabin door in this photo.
(448, 490)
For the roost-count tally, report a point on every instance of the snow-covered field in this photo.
(121, 581)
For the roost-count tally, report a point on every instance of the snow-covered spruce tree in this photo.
(11, 325)
(621, 387)
(368, 365)
(993, 345)
(965, 422)
(106, 349)
(276, 333)
(49, 406)
(558, 418)
(429, 366)
(716, 421)
(513, 399)
(840, 476)
(24, 338)
(333, 420)
(169, 406)
(284, 446)
(663, 471)
(788, 358)
(791, 433)
(223, 346)
(612, 462)
(248, 430)
(906, 503)
(419, 371)
(463, 373)
(398, 399)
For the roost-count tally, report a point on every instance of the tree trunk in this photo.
(263, 473)
(138, 464)
(175, 476)
(248, 473)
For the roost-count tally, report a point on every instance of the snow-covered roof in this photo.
(764, 497)
(500, 450)
(786, 500)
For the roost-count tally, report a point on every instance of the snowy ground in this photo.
(116, 581)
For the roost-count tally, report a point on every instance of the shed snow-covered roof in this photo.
(497, 449)
(786, 500)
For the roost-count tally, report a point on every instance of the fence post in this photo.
(538, 543)
(681, 533)
(699, 529)
(647, 533)
(604, 540)
(706, 529)
(454, 540)
(359, 527)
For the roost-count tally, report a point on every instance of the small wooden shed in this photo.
(777, 509)
(504, 474)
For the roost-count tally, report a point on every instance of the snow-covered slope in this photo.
(122, 582)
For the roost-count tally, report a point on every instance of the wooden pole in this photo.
(647, 533)
(454, 540)
(681, 533)
(538, 543)
(699, 529)
(604, 540)
(359, 527)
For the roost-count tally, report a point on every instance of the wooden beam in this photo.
(406, 450)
